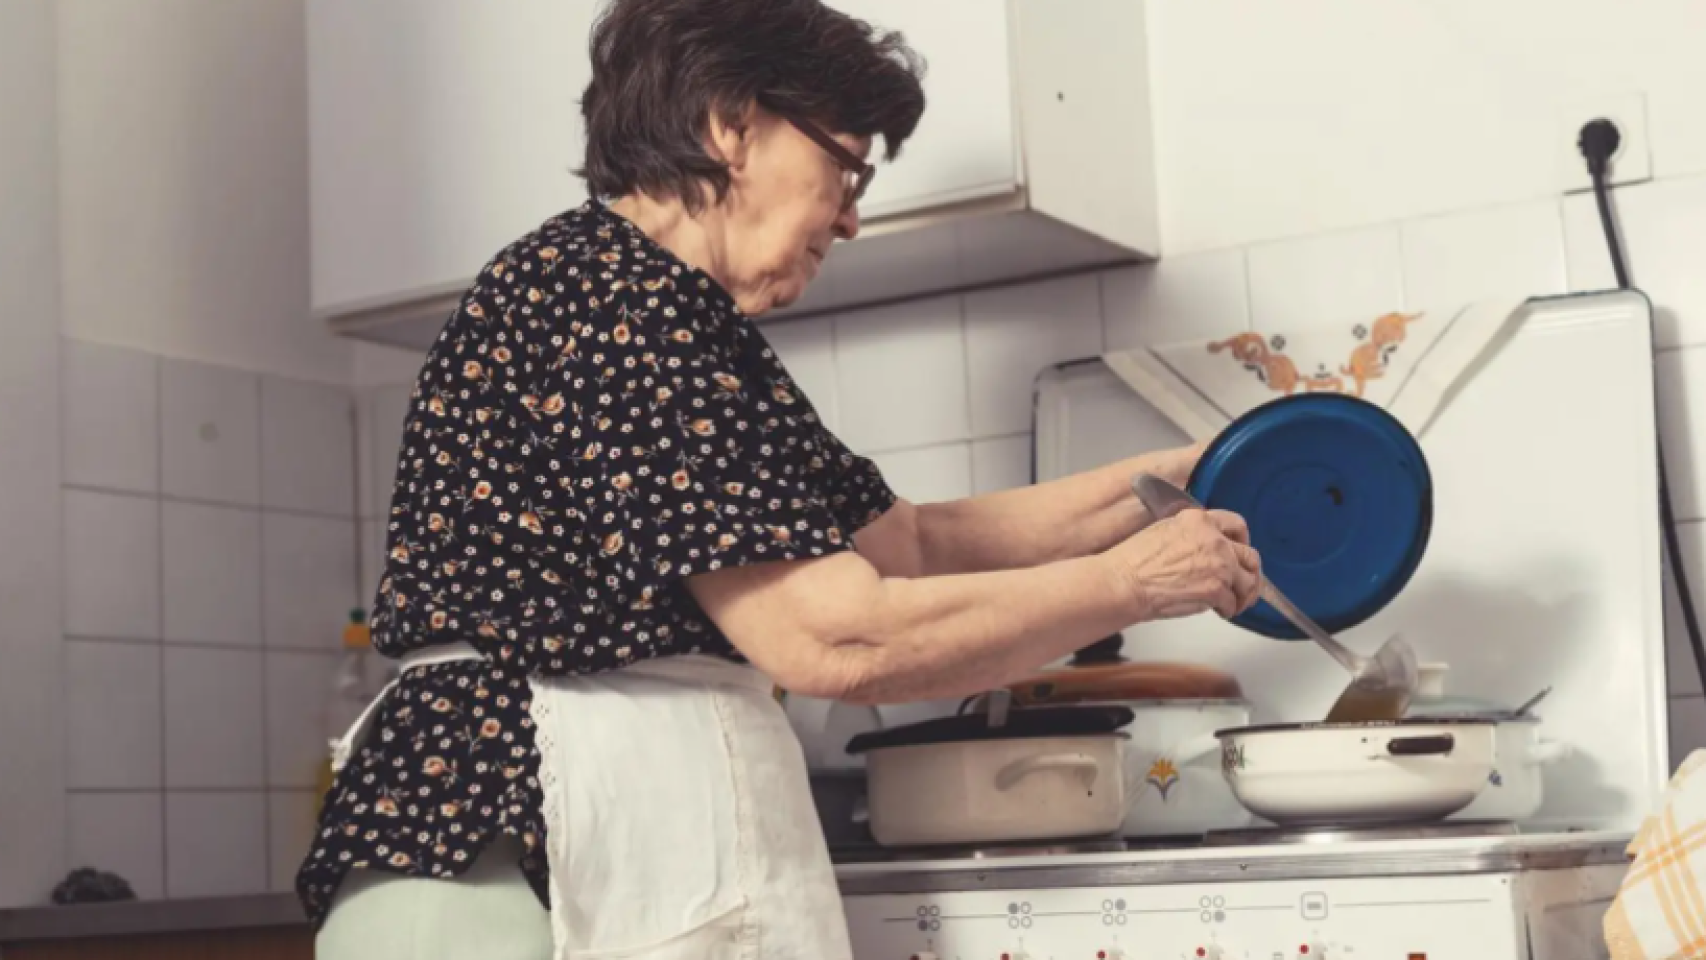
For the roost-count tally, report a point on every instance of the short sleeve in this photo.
(858, 494)
(708, 458)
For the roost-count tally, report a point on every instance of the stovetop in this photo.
(1450, 849)
(1358, 833)
(871, 852)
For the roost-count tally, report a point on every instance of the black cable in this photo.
(1598, 142)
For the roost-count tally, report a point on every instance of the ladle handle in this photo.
(1348, 659)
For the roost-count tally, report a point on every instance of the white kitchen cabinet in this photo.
(443, 129)
(439, 131)
(965, 148)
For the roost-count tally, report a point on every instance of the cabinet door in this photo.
(440, 130)
(964, 147)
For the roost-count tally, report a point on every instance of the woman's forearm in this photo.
(1075, 516)
(834, 628)
(953, 636)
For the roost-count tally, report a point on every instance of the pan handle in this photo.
(1434, 746)
(1083, 765)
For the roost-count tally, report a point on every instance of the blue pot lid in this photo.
(1339, 502)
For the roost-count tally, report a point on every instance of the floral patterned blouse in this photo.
(596, 422)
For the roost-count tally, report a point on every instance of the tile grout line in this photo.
(1101, 314)
(1403, 278)
(201, 502)
(160, 574)
(356, 472)
(199, 645)
(203, 791)
(261, 660)
(1249, 290)
(1562, 215)
(966, 390)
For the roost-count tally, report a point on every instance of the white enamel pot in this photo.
(1516, 786)
(970, 787)
(1174, 786)
(1359, 773)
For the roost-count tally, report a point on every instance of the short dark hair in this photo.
(662, 68)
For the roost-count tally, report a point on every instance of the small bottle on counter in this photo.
(360, 677)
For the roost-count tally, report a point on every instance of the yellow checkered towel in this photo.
(1660, 912)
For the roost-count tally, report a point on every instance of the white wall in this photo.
(184, 166)
(32, 775)
(1280, 119)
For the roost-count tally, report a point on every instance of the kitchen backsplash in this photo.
(210, 564)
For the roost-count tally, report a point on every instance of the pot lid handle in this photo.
(1105, 650)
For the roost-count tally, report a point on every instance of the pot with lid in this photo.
(1173, 783)
(1516, 786)
(1046, 773)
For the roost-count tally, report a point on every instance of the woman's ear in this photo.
(729, 135)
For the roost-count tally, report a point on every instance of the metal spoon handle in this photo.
(1347, 658)
(1532, 701)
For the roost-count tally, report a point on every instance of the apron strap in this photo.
(427, 657)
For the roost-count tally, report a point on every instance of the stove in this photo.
(1574, 601)
(1440, 891)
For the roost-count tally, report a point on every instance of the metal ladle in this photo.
(1381, 686)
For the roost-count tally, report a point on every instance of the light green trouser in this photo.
(489, 913)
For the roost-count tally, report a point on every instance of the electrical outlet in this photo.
(1633, 161)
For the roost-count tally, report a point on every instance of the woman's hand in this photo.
(1173, 466)
(1195, 561)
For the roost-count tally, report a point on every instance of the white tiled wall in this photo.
(210, 563)
(938, 391)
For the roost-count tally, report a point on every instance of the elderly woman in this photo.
(618, 520)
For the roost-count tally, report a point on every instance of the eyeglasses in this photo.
(856, 173)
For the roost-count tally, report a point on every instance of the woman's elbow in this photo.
(845, 674)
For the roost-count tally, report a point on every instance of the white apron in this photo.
(679, 818)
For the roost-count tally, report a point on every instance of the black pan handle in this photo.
(1440, 745)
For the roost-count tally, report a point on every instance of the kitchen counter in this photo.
(146, 917)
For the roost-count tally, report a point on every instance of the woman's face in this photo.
(786, 211)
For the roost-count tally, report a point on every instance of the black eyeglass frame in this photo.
(849, 161)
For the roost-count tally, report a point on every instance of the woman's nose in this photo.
(847, 225)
